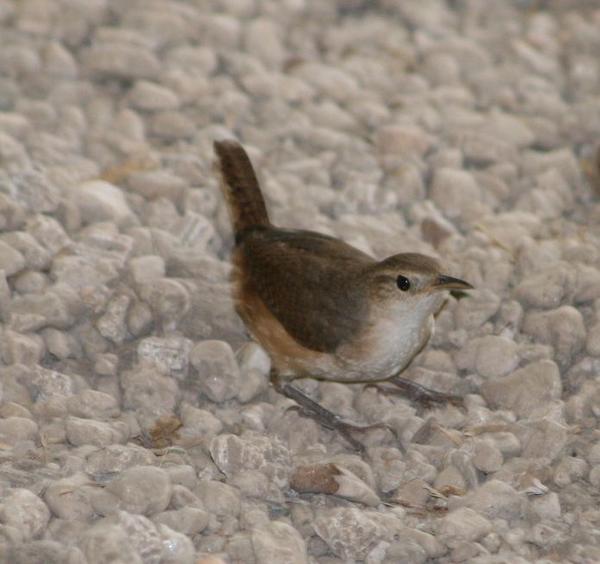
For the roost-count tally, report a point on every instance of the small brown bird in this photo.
(320, 307)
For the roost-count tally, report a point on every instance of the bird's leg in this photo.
(326, 418)
(424, 395)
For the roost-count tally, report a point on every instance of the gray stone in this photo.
(464, 524)
(111, 324)
(487, 457)
(157, 184)
(562, 328)
(253, 452)
(170, 354)
(280, 543)
(187, 520)
(218, 372)
(525, 389)
(147, 390)
(92, 404)
(36, 257)
(146, 267)
(69, 498)
(121, 61)
(16, 429)
(142, 489)
(113, 459)
(150, 96)
(494, 500)
(104, 541)
(218, 498)
(25, 511)
(11, 260)
(99, 201)
(490, 356)
(89, 432)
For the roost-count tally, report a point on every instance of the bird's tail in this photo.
(240, 187)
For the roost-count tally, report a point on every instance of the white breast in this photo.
(395, 336)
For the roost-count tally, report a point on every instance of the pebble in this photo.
(525, 389)
(149, 96)
(99, 201)
(280, 543)
(147, 390)
(218, 374)
(186, 520)
(69, 498)
(142, 489)
(562, 328)
(333, 479)
(26, 512)
(490, 356)
(493, 500)
(89, 432)
(91, 404)
(219, 499)
(123, 61)
(170, 355)
(464, 524)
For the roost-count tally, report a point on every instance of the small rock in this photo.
(145, 389)
(36, 256)
(349, 532)
(218, 498)
(121, 60)
(187, 520)
(454, 191)
(99, 201)
(562, 328)
(48, 232)
(170, 354)
(494, 499)
(171, 126)
(332, 479)
(279, 543)
(251, 451)
(487, 456)
(546, 506)
(104, 540)
(16, 429)
(113, 459)
(111, 324)
(89, 432)
(147, 267)
(91, 404)
(526, 388)
(490, 356)
(150, 96)
(464, 524)
(402, 140)
(218, 372)
(69, 498)
(142, 489)
(11, 260)
(26, 512)
(157, 184)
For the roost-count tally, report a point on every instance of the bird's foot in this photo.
(310, 408)
(423, 395)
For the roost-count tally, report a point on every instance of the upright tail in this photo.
(240, 187)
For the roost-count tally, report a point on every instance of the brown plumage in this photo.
(319, 306)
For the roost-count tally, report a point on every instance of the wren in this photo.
(322, 308)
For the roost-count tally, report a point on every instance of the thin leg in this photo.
(326, 418)
(424, 395)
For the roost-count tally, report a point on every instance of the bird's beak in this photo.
(444, 282)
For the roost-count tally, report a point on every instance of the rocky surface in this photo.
(137, 423)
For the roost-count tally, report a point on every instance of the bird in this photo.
(322, 308)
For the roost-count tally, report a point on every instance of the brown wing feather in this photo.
(308, 282)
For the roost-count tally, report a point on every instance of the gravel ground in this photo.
(137, 424)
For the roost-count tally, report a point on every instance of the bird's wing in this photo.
(308, 281)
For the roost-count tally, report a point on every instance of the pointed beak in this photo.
(444, 282)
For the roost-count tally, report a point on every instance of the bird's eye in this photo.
(403, 283)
